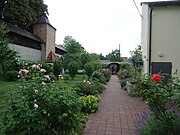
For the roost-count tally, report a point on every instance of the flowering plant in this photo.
(157, 95)
(42, 107)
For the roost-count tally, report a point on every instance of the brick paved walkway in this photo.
(116, 114)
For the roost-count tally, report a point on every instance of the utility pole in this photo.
(119, 53)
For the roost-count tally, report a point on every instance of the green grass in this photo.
(6, 88)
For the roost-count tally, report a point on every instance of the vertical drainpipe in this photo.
(150, 38)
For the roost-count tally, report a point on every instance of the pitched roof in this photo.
(43, 20)
(19, 31)
(51, 57)
(61, 48)
(163, 3)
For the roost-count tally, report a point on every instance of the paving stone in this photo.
(116, 114)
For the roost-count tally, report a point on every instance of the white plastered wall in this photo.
(166, 36)
(26, 53)
(145, 37)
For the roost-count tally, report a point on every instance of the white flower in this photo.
(84, 81)
(36, 106)
(88, 82)
(43, 70)
(47, 77)
(36, 91)
(43, 83)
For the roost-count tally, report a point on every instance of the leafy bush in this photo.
(86, 88)
(41, 108)
(12, 75)
(89, 68)
(99, 76)
(107, 74)
(156, 127)
(57, 68)
(89, 103)
(160, 99)
(48, 67)
(89, 88)
(73, 68)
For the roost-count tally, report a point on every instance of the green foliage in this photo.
(73, 68)
(48, 67)
(114, 56)
(89, 103)
(85, 58)
(89, 68)
(22, 12)
(136, 57)
(41, 108)
(99, 76)
(12, 75)
(107, 74)
(7, 56)
(72, 46)
(89, 88)
(156, 127)
(57, 68)
(158, 97)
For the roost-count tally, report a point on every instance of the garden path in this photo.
(116, 114)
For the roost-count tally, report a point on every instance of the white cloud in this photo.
(100, 25)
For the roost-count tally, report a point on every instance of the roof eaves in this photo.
(162, 3)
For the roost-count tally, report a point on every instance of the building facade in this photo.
(160, 38)
(38, 45)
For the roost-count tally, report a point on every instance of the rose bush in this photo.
(157, 96)
(41, 107)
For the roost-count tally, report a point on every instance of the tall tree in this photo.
(114, 56)
(72, 46)
(22, 12)
(7, 56)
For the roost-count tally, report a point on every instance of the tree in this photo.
(72, 46)
(7, 56)
(136, 56)
(85, 58)
(22, 12)
(57, 68)
(73, 68)
(114, 56)
(89, 68)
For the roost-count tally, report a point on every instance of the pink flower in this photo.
(156, 77)
(43, 70)
(34, 66)
(23, 71)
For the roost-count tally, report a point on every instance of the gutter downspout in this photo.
(150, 39)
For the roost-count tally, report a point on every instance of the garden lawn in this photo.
(5, 89)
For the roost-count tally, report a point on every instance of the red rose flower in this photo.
(156, 77)
(141, 92)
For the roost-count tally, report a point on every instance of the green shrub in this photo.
(86, 88)
(99, 76)
(41, 108)
(89, 68)
(12, 75)
(57, 68)
(89, 103)
(48, 67)
(73, 68)
(156, 127)
(107, 74)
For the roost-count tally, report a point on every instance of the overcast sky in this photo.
(99, 25)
